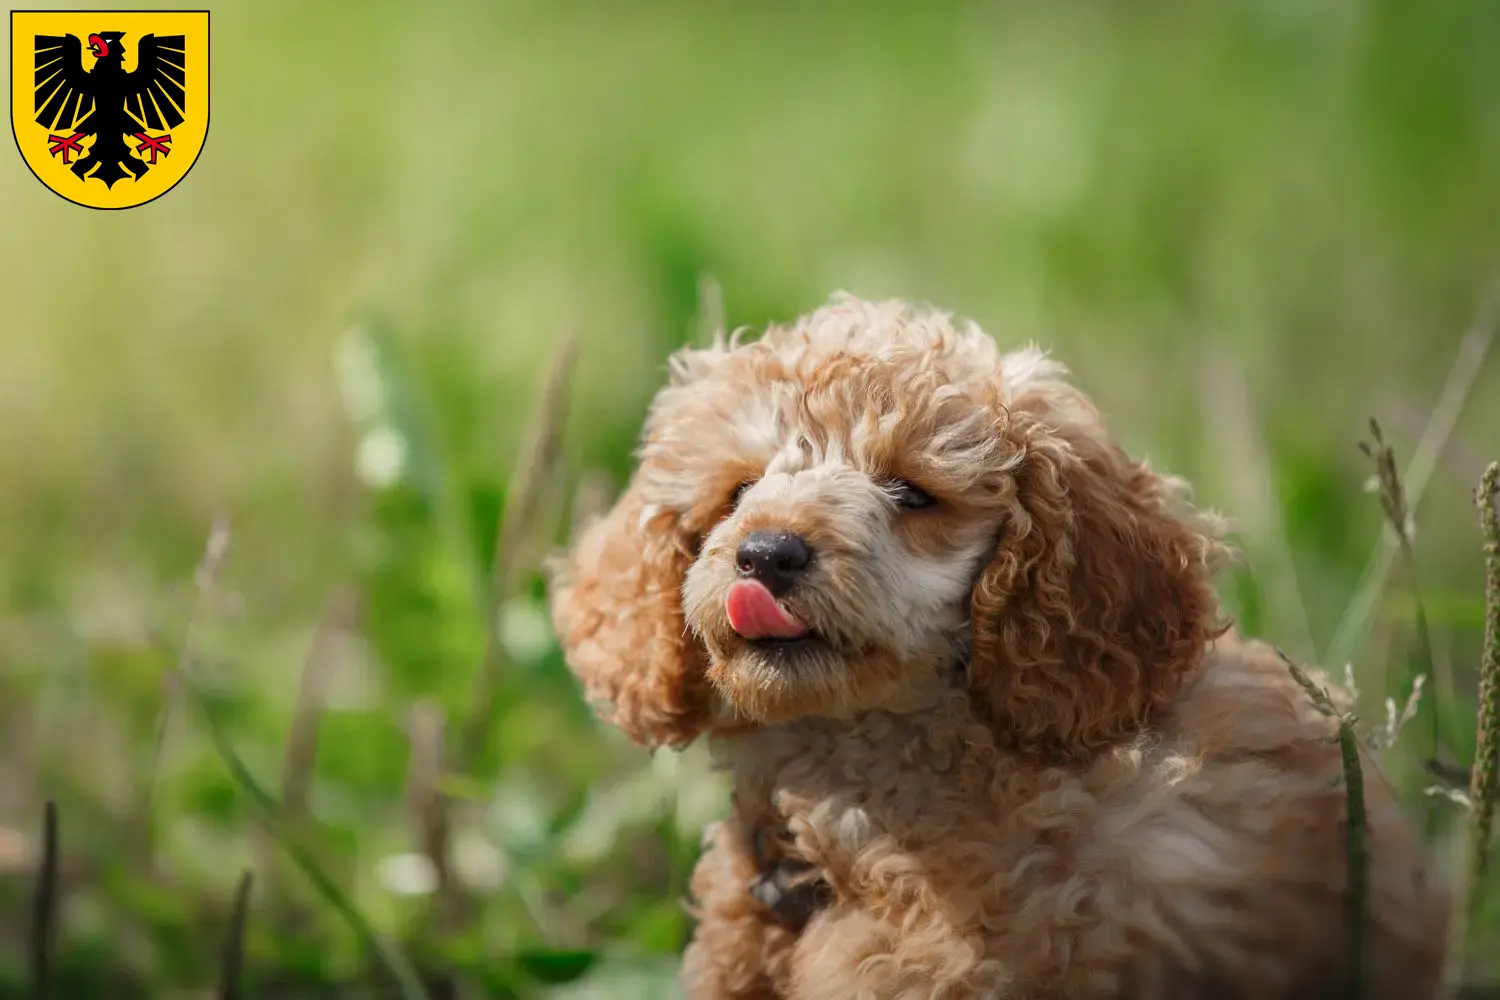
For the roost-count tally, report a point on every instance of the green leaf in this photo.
(556, 966)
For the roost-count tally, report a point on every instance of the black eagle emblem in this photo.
(108, 103)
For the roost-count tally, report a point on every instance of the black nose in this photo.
(775, 558)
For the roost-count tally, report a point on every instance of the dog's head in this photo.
(855, 510)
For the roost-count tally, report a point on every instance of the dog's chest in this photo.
(892, 807)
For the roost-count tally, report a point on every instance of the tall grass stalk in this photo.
(301, 750)
(206, 571)
(233, 960)
(44, 907)
(535, 471)
(1484, 776)
(299, 757)
(1356, 853)
(1472, 351)
(1250, 477)
(427, 733)
(1394, 502)
(1484, 779)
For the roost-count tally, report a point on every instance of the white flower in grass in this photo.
(525, 631)
(409, 874)
(381, 457)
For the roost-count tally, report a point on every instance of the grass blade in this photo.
(44, 907)
(299, 757)
(204, 576)
(428, 806)
(1356, 893)
(1356, 853)
(302, 739)
(234, 941)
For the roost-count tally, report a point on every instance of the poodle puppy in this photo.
(988, 736)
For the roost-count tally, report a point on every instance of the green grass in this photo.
(1246, 227)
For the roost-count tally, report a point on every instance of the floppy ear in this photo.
(1099, 598)
(617, 609)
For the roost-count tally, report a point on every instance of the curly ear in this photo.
(1099, 598)
(617, 609)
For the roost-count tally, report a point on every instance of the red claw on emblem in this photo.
(153, 146)
(66, 145)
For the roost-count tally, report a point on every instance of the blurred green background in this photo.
(1247, 227)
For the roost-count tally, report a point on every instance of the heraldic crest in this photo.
(110, 113)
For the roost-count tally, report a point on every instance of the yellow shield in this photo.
(109, 108)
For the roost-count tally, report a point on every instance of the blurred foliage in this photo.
(1246, 227)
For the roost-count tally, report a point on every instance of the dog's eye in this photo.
(908, 496)
(739, 491)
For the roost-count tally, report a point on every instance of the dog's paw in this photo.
(791, 893)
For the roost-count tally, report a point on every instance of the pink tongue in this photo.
(754, 613)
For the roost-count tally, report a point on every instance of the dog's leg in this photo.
(753, 898)
(740, 950)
